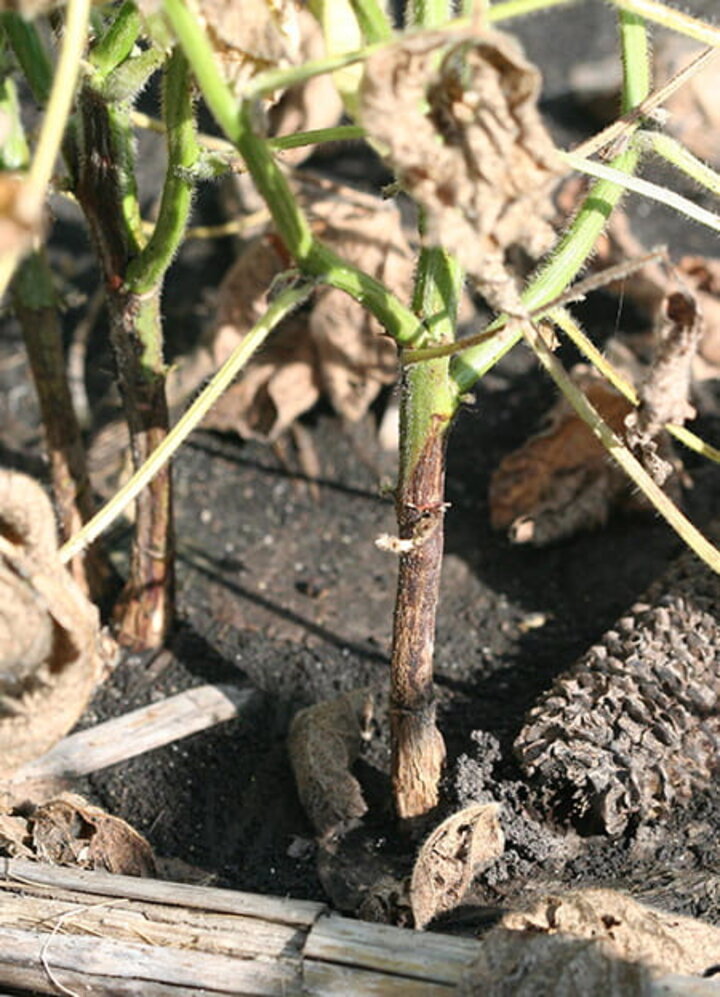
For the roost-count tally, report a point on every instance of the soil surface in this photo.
(282, 587)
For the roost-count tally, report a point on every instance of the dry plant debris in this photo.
(252, 36)
(456, 117)
(664, 392)
(561, 480)
(463, 845)
(315, 103)
(323, 742)
(592, 942)
(337, 350)
(633, 728)
(52, 651)
(67, 830)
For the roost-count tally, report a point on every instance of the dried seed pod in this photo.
(633, 727)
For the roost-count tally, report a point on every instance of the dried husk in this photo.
(456, 117)
(52, 652)
(323, 742)
(633, 729)
(464, 844)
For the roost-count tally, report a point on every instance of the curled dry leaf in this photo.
(252, 36)
(52, 651)
(336, 349)
(665, 391)
(463, 845)
(456, 116)
(561, 480)
(323, 742)
(70, 831)
(593, 942)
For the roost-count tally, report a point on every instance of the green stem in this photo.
(118, 41)
(565, 261)
(311, 256)
(647, 189)
(285, 303)
(673, 19)
(374, 22)
(30, 53)
(340, 133)
(636, 64)
(148, 269)
(681, 158)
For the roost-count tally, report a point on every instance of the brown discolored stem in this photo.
(418, 750)
(35, 305)
(145, 609)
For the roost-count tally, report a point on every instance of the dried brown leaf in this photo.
(251, 36)
(52, 651)
(337, 350)
(459, 848)
(70, 831)
(561, 480)
(323, 742)
(664, 392)
(456, 114)
(15, 837)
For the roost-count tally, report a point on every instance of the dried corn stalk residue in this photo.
(456, 116)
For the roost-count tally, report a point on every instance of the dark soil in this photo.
(281, 586)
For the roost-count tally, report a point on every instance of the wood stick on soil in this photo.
(139, 731)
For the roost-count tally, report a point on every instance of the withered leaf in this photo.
(323, 742)
(456, 115)
(664, 392)
(560, 480)
(70, 831)
(464, 844)
(252, 36)
(336, 350)
(52, 651)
